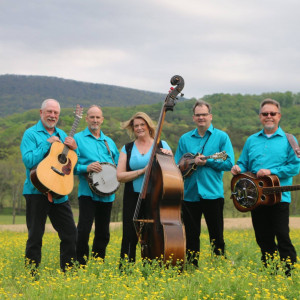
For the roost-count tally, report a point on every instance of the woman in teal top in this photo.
(132, 165)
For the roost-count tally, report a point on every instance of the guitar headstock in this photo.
(220, 155)
(78, 111)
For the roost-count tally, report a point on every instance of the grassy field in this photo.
(7, 218)
(241, 276)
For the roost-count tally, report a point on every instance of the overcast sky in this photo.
(226, 46)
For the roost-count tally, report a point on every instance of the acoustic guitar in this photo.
(187, 164)
(54, 174)
(249, 191)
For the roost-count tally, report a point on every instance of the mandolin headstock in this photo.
(219, 155)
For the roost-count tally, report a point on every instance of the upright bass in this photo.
(158, 225)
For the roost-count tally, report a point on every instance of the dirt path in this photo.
(229, 223)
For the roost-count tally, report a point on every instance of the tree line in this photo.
(235, 114)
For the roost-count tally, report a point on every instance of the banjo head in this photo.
(245, 193)
(104, 183)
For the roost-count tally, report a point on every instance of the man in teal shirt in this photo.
(92, 149)
(203, 190)
(269, 152)
(36, 143)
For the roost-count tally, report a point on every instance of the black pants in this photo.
(37, 209)
(129, 238)
(213, 214)
(270, 222)
(90, 210)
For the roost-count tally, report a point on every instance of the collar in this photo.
(87, 132)
(210, 130)
(40, 127)
(279, 132)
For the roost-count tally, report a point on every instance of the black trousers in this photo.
(270, 222)
(129, 238)
(90, 210)
(37, 209)
(213, 214)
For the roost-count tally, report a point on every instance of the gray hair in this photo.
(46, 101)
(269, 101)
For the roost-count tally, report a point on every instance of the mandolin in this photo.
(54, 174)
(187, 164)
(249, 191)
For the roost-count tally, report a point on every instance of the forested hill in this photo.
(236, 114)
(19, 93)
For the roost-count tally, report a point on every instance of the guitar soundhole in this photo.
(62, 158)
(260, 184)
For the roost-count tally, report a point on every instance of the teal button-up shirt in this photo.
(90, 150)
(34, 147)
(206, 182)
(274, 153)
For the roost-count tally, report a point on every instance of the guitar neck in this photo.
(71, 134)
(280, 189)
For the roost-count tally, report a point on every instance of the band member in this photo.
(94, 147)
(203, 190)
(133, 161)
(36, 143)
(269, 152)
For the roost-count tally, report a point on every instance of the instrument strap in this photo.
(293, 144)
(106, 144)
(209, 134)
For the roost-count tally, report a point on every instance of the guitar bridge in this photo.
(57, 171)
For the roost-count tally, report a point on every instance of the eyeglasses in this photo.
(201, 115)
(272, 114)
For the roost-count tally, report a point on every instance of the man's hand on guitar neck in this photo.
(70, 142)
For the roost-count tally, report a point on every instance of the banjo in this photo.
(104, 183)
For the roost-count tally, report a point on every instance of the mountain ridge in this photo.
(19, 93)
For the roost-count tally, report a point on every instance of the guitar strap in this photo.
(106, 144)
(293, 144)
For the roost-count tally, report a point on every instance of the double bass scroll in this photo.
(158, 225)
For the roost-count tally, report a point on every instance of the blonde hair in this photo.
(128, 125)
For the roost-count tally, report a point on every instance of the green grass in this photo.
(6, 217)
(241, 276)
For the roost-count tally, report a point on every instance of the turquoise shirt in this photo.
(139, 161)
(34, 147)
(207, 181)
(90, 150)
(274, 153)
